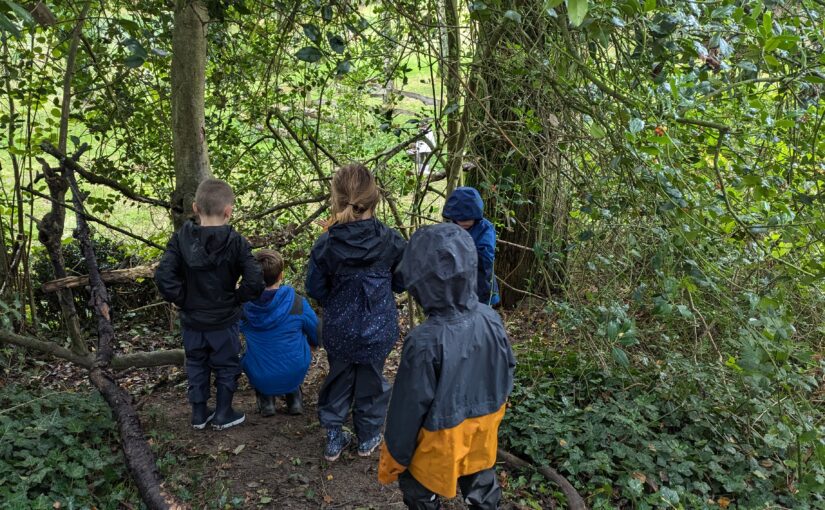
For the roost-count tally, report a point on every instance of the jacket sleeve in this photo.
(412, 396)
(316, 285)
(398, 252)
(310, 324)
(252, 277)
(486, 246)
(169, 274)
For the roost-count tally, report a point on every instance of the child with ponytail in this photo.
(350, 274)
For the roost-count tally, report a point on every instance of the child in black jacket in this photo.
(198, 273)
(350, 274)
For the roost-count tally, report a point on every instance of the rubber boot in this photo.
(295, 402)
(201, 415)
(266, 404)
(225, 416)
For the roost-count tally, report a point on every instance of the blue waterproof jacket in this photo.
(465, 203)
(350, 273)
(278, 327)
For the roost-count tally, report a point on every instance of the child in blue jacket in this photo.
(465, 208)
(279, 328)
(351, 274)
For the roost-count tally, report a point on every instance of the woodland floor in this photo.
(273, 462)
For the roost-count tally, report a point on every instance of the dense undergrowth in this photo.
(665, 429)
(59, 450)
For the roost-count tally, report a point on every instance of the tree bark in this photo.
(188, 117)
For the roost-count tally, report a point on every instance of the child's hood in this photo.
(204, 247)
(440, 267)
(359, 243)
(464, 203)
(270, 309)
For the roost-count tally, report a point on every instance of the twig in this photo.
(286, 205)
(526, 293)
(273, 112)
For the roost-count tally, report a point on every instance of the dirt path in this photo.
(271, 462)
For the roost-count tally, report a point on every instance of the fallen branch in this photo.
(135, 360)
(112, 276)
(574, 499)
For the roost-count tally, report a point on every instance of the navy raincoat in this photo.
(456, 369)
(278, 327)
(350, 273)
(463, 204)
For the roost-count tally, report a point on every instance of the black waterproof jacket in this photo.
(350, 274)
(199, 272)
(456, 368)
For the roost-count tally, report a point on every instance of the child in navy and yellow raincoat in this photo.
(452, 385)
(465, 208)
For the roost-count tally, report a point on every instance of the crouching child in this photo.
(453, 382)
(198, 273)
(279, 327)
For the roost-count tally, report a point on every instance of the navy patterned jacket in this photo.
(351, 275)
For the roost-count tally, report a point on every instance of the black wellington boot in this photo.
(225, 416)
(295, 402)
(266, 404)
(201, 415)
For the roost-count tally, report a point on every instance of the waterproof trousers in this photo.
(480, 491)
(207, 352)
(360, 386)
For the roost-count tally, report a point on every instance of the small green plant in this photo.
(59, 448)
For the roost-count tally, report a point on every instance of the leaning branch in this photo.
(287, 205)
(140, 459)
(94, 219)
(97, 179)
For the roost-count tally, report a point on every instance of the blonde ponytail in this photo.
(354, 194)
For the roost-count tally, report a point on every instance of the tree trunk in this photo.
(517, 168)
(188, 118)
(452, 81)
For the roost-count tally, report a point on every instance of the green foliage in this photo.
(59, 447)
(672, 432)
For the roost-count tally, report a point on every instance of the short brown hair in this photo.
(354, 192)
(212, 197)
(272, 265)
